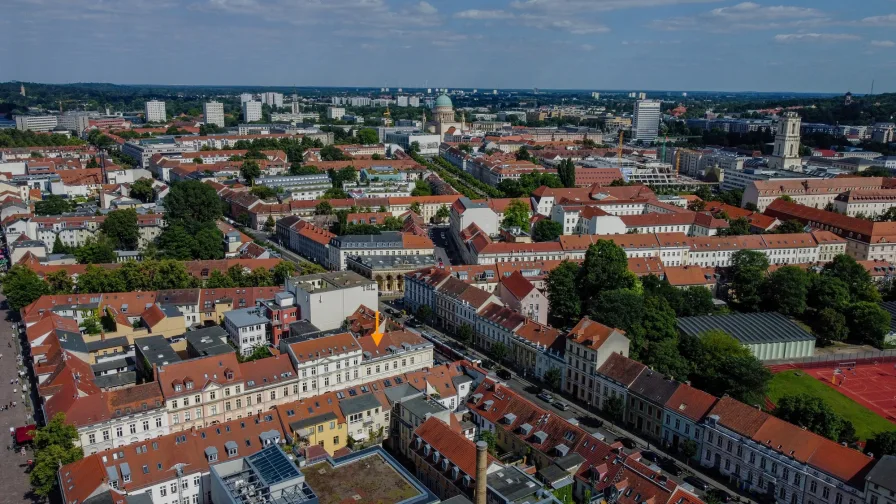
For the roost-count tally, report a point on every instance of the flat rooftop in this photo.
(370, 475)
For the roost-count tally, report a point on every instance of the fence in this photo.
(830, 360)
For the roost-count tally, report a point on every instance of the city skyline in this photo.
(717, 45)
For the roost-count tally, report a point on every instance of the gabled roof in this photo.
(591, 333)
(690, 402)
(517, 285)
(621, 369)
(452, 445)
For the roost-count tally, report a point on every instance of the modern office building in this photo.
(155, 111)
(36, 123)
(646, 120)
(251, 111)
(213, 113)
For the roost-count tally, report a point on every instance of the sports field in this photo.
(817, 383)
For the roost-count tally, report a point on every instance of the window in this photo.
(163, 491)
(825, 492)
(813, 486)
(335, 440)
(175, 418)
(119, 431)
(145, 425)
(320, 428)
(185, 484)
(105, 435)
(133, 428)
(211, 395)
(174, 488)
(273, 395)
(196, 481)
(91, 438)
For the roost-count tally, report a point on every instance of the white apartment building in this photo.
(326, 299)
(386, 243)
(138, 416)
(213, 113)
(810, 192)
(335, 112)
(646, 120)
(251, 111)
(870, 203)
(272, 99)
(155, 112)
(244, 97)
(40, 124)
(247, 329)
(588, 345)
(429, 144)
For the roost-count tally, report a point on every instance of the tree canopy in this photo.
(122, 229)
(517, 215)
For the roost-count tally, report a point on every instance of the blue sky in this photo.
(779, 45)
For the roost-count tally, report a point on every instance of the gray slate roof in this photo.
(358, 404)
(883, 472)
(748, 328)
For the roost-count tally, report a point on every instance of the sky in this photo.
(717, 45)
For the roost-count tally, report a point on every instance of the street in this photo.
(439, 237)
(13, 466)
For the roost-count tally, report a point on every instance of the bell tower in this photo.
(786, 155)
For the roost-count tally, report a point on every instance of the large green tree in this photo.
(605, 268)
(748, 271)
(854, 275)
(812, 413)
(516, 214)
(868, 323)
(563, 299)
(283, 271)
(53, 205)
(192, 204)
(368, 136)
(829, 325)
(54, 446)
(883, 443)
(99, 250)
(250, 171)
(566, 171)
(142, 190)
(22, 286)
(121, 227)
(787, 290)
(828, 292)
(100, 280)
(722, 365)
(546, 230)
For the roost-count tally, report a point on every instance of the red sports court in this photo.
(872, 385)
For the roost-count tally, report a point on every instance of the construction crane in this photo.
(619, 148)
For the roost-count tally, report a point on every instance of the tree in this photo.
(523, 154)
(605, 268)
(421, 188)
(516, 215)
(424, 313)
(790, 227)
(60, 282)
(99, 250)
(92, 163)
(442, 213)
(566, 171)
(855, 276)
(748, 270)
(323, 208)
(391, 223)
(415, 147)
(250, 171)
(614, 407)
(787, 290)
(138, 276)
(546, 230)
(368, 136)
(59, 247)
(192, 204)
(722, 365)
(490, 439)
(122, 229)
(282, 272)
(623, 309)
(332, 153)
(53, 205)
(829, 325)
(499, 352)
(695, 301)
(828, 292)
(172, 275)
(334, 193)
(663, 356)
(688, 450)
(737, 227)
(415, 207)
(554, 378)
(269, 224)
(258, 352)
(22, 286)
(786, 198)
(54, 446)
(883, 443)
(100, 280)
(263, 192)
(142, 190)
(812, 413)
(465, 334)
(563, 301)
(868, 323)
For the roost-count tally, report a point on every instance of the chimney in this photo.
(481, 465)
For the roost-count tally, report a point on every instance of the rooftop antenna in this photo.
(872, 87)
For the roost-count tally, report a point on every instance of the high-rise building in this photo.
(401, 101)
(244, 97)
(155, 111)
(335, 112)
(251, 111)
(646, 120)
(213, 112)
(786, 155)
(272, 99)
(74, 121)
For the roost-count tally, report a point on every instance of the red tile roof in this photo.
(691, 402)
(517, 285)
(591, 333)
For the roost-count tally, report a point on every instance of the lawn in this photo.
(866, 422)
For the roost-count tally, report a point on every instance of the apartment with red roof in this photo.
(518, 293)
(588, 345)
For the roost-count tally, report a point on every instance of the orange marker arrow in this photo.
(377, 335)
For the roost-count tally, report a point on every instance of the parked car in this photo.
(651, 456)
(560, 405)
(718, 495)
(504, 374)
(627, 442)
(545, 396)
(697, 483)
(671, 467)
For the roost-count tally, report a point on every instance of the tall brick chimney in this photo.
(481, 466)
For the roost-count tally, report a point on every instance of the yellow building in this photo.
(317, 420)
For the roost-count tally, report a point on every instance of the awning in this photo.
(25, 434)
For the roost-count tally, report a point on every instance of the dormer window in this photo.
(189, 385)
(177, 387)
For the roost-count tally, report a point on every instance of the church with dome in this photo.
(444, 119)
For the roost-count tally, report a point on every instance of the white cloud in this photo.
(883, 43)
(587, 47)
(484, 14)
(573, 6)
(886, 20)
(426, 8)
(747, 16)
(821, 37)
